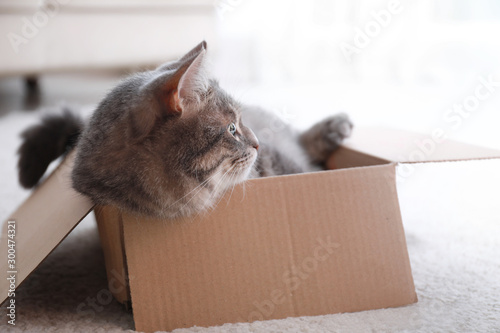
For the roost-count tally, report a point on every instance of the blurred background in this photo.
(404, 64)
(417, 65)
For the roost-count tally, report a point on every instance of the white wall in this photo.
(429, 57)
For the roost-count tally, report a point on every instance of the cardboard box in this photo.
(298, 245)
(48, 215)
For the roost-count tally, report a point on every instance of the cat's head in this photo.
(167, 142)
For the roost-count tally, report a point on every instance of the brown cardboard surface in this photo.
(370, 146)
(298, 245)
(345, 157)
(42, 222)
(111, 235)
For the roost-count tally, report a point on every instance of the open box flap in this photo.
(373, 146)
(41, 223)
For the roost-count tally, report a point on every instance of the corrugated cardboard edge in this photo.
(345, 157)
(384, 144)
(213, 270)
(42, 222)
(110, 228)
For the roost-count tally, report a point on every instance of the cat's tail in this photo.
(43, 143)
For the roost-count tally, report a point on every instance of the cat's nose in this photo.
(252, 138)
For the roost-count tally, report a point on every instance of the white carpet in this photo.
(452, 221)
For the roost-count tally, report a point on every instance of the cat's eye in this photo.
(231, 128)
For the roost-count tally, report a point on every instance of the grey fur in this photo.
(287, 151)
(160, 143)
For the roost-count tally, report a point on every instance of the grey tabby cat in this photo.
(169, 142)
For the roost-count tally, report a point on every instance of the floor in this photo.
(450, 213)
(52, 90)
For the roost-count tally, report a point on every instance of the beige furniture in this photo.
(57, 35)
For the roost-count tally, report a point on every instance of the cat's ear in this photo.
(169, 66)
(186, 84)
(202, 47)
(193, 81)
(173, 86)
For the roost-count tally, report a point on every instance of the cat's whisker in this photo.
(215, 190)
(244, 190)
(232, 189)
(220, 182)
(210, 208)
(199, 189)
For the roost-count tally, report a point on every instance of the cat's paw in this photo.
(321, 140)
(337, 128)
